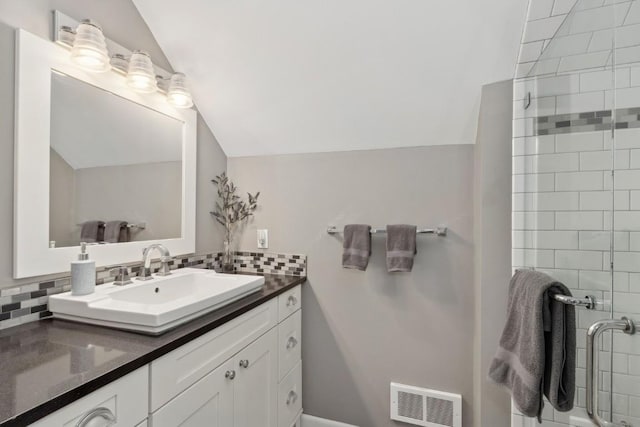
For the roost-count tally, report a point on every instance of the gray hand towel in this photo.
(92, 231)
(401, 247)
(357, 246)
(116, 231)
(537, 349)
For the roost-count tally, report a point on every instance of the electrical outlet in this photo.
(263, 239)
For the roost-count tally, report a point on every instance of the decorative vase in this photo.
(227, 258)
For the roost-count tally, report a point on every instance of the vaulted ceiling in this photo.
(300, 76)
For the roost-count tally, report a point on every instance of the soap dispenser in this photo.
(83, 273)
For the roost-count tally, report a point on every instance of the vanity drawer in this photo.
(289, 302)
(289, 343)
(290, 397)
(125, 398)
(184, 366)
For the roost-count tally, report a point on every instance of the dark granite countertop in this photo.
(48, 364)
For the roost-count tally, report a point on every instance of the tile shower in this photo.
(576, 181)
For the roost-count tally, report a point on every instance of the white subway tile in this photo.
(579, 221)
(556, 201)
(539, 9)
(575, 103)
(627, 98)
(635, 200)
(563, 6)
(601, 160)
(583, 61)
(634, 241)
(578, 181)
(601, 240)
(542, 29)
(568, 45)
(546, 66)
(533, 220)
(634, 283)
(627, 55)
(627, 261)
(595, 200)
(579, 260)
(628, 35)
(523, 69)
(560, 85)
(626, 220)
(626, 384)
(574, 142)
(539, 107)
(542, 144)
(530, 52)
(596, 80)
(530, 183)
(563, 162)
(594, 280)
(533, 258)
(635, 161)
(635, 75)
(523, 127)
(627, 179)
(601, 40)
(627, 138)
(633, 17)
(554, 239)
(568, 277)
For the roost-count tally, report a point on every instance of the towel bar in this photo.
(588, 302)
(438, 231)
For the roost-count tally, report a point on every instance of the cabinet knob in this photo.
(292, 397)
(100, 412)
(230, 375)
(292, 301)
(244, 363)
(291, 343)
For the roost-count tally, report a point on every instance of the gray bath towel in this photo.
(401, 247)
(538, 345)
(357, 246)
(116, 231)
(92, 231)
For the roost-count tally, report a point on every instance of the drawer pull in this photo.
(244, 363)
(292, 301)
(292, 397)
(291, 343)
(100, 412)
(230, 375)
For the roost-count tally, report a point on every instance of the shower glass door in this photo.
(621, 379)
(576, 187)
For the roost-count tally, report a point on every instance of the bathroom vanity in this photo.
(237, 366)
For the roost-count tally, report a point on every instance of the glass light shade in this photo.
(89, 50)
(140, 74)
(178, 95)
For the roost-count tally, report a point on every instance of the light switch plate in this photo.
(263, 239)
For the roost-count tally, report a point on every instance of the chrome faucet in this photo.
(165, 258)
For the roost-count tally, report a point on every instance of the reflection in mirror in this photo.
(115, 168)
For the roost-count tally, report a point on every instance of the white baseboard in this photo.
(311, 421)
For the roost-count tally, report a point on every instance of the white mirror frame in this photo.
(35, 58)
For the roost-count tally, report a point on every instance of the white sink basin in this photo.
(156, 305)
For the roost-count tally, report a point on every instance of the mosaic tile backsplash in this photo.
(28, 303)
(591, 121)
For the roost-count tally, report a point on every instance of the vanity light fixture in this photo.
(89, 49)
(140, 74)
(178, 95)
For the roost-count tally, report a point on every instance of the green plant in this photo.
(230, 208)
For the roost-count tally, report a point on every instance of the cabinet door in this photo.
(256, 385)
(209, 402)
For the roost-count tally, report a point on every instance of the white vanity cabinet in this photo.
(245, 373)
(124, 400)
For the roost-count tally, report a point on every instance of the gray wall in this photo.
(492, 237)
(122, 23)
(363, 330)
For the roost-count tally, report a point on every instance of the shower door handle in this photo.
(593, 334)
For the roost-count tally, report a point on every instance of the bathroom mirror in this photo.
(115, 168)
(89, 149)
